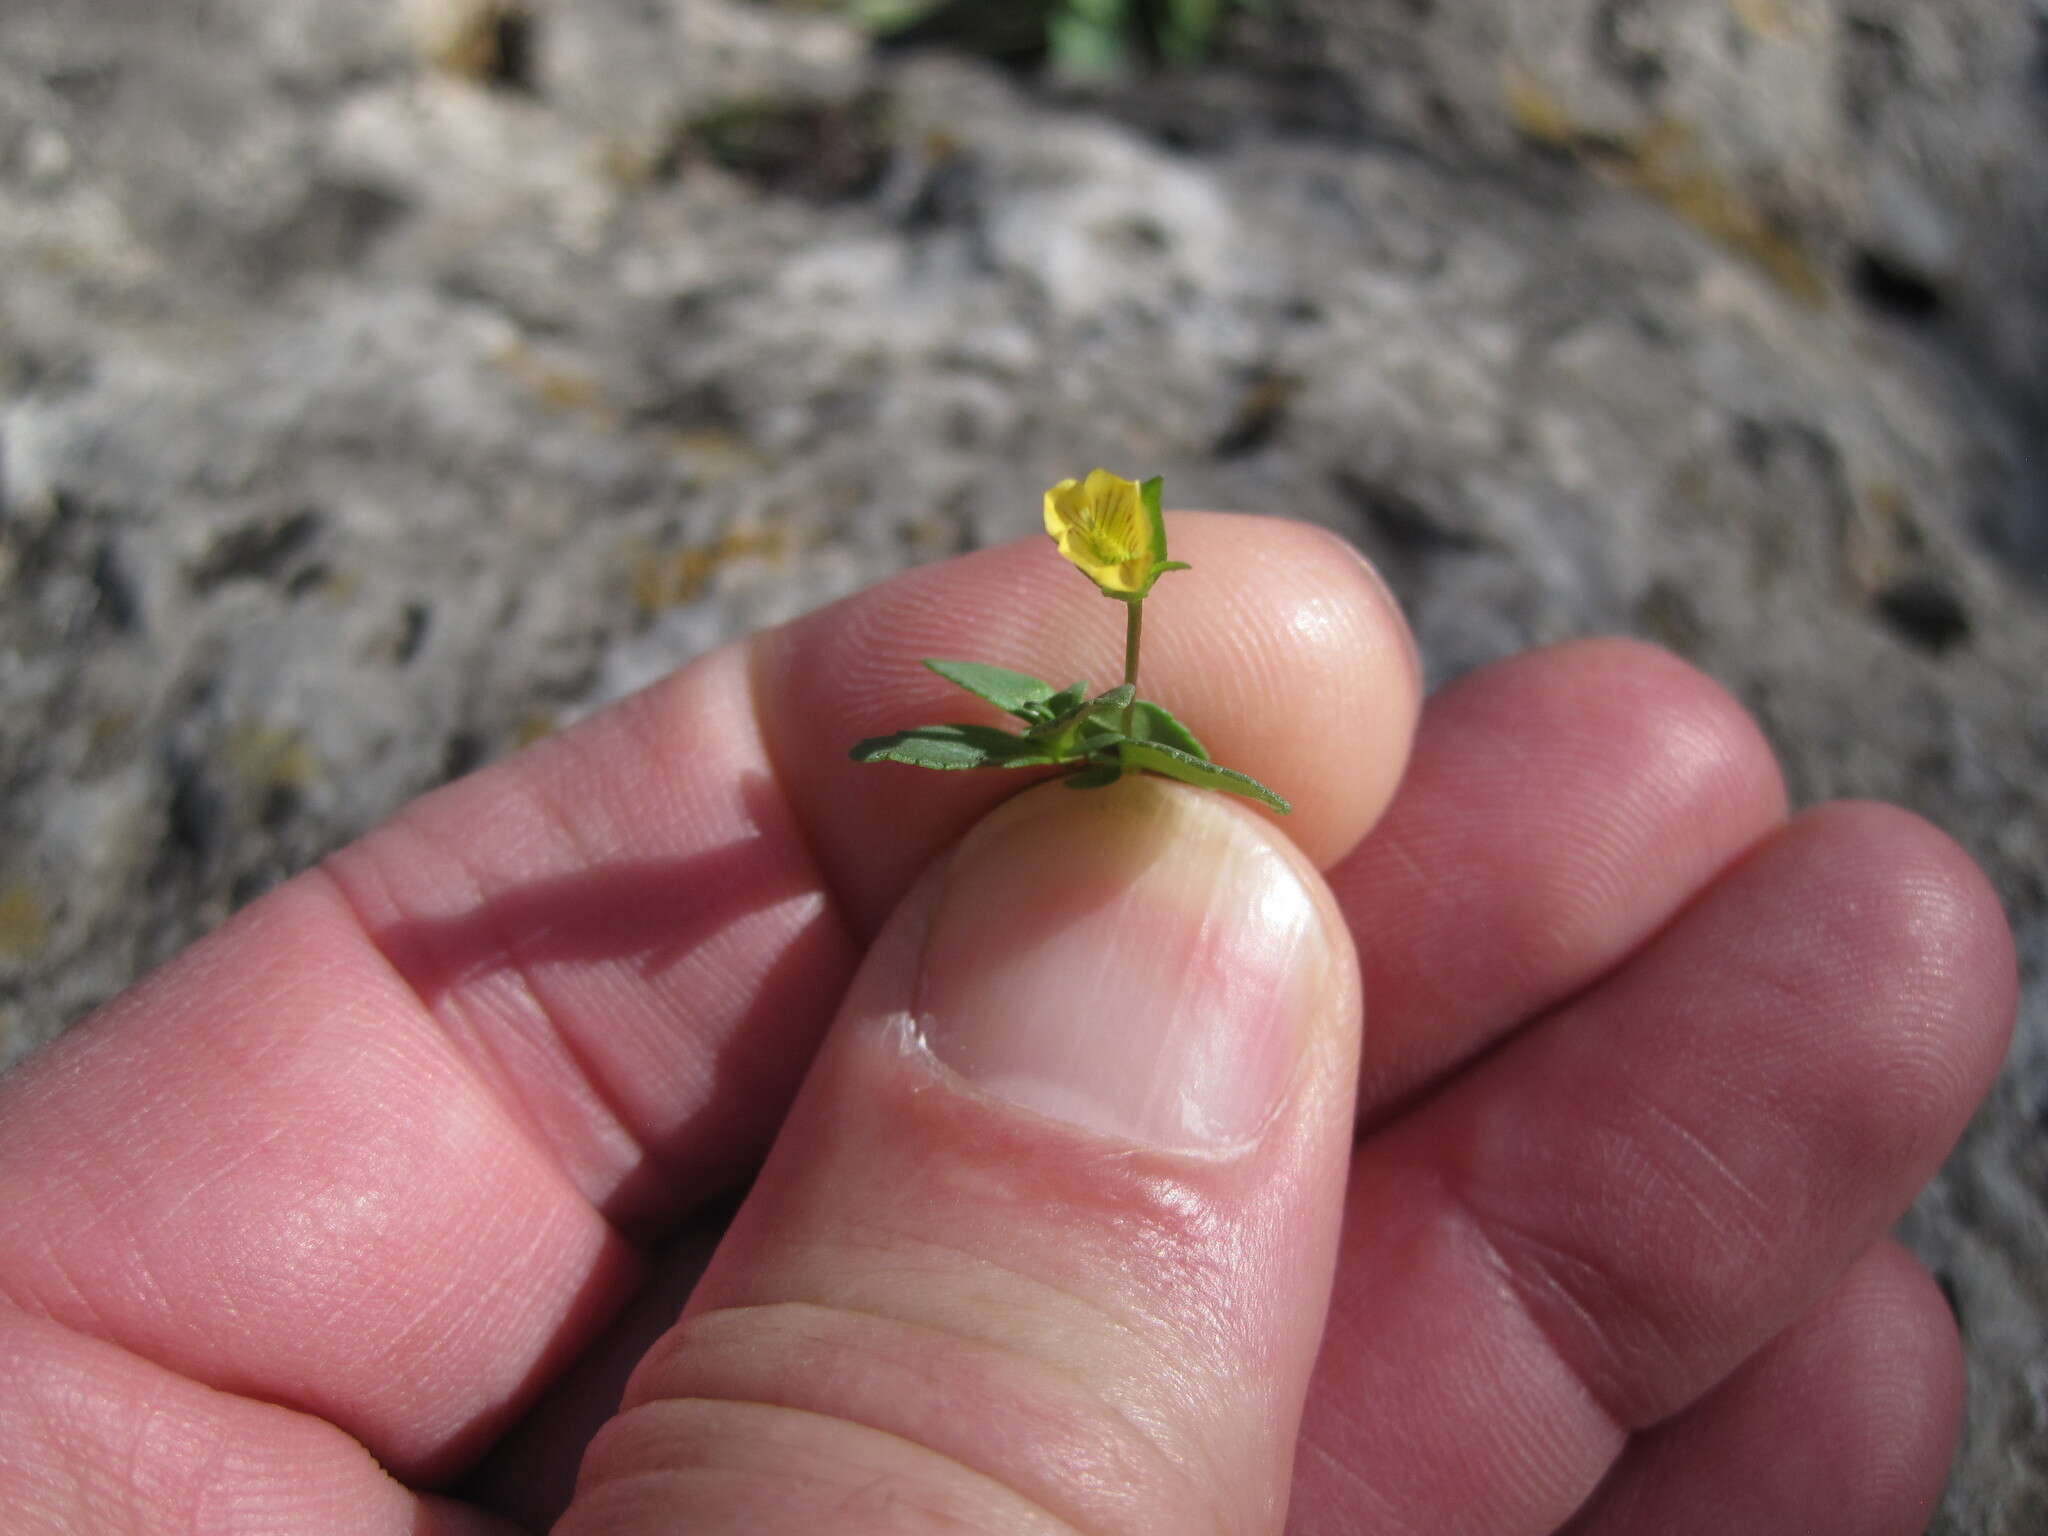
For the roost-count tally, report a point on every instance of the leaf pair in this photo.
(1101, 737)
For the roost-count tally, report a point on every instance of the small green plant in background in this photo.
(1112, 530)
(1076, 37)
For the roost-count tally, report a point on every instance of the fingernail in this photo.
(1140, 961)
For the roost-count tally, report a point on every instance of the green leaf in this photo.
(1189, 769)
(1066, 701)
(951, 747)
(1099, 776)
(1188, 26)
(1085, 38)
(1153, 723)
(1013, 692)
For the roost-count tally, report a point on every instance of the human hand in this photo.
(410, 1164)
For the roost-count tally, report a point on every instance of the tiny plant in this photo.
(1112, 531)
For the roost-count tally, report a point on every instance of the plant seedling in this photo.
(1112, 530)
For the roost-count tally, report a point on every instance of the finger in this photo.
(264, 1170)
(93, 1439)
(364, 1127)
(1843, 1425)
(1602, 1219)
(1559, 808)
(1046, 1243)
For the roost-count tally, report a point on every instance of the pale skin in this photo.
(395, 1182)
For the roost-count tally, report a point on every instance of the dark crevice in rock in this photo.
(414, 623)
(309, 578)
(820, 152)
(515, 49)
(335, 224)
(89, 85)
(1668, 615)
(195, 818)
(280, 804)
(118, 601)
(258, 551)
(947, 195)
(465, 751)
(498, 46)
(1260, 414)
(1893, 288)
(697, 405)
(1403, 523)
(66, 578)
(1011, 35)
(1926, 612)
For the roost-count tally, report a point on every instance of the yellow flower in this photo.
(1112, 530)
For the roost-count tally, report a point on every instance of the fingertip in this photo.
(1306, 666)
(1898, 1372)
(1901, 1302)
(1669, 734)
(1844, 1423)
(1872, 1380)
(1904, 916)
(1566, 803)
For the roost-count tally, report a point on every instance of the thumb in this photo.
(1047, 1240)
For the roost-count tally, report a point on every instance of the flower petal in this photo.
(1110, 528)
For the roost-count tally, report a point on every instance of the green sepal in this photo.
(1189, 769)
(1016, 693)
(951, 747)
(1112, 701)
(1153, 494)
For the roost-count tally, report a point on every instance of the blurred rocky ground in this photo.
(384, 382)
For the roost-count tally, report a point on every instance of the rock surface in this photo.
(382, 384)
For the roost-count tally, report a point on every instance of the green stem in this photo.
(1134, 630)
